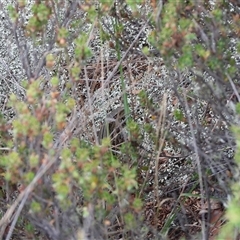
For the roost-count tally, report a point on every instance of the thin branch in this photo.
(90, 106)
(161, 135)
(233, 87)
(21, 199)
(123, 57)
(24, 199)
(160, 7)
(23, 52)
(198, 164)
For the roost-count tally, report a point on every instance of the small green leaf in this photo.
(47, 140)
(35, 206)
(12, 13)
(54, 81)
(33, 160)
(238, 108)
(130, 220)
(137, 204)
(29, 176)
(178, 114)
(186, 59)
(145, 51)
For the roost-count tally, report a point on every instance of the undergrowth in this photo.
(119, 120)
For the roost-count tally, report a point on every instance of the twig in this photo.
(21, 199)
(203, 35)
(160, 7)
(24, 199)
(233, 87)
(6, 219)
(123, 57)
(198, 164)
(90, 106)
(5, 149)
(161, 135)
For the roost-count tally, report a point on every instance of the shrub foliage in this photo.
(119, 119)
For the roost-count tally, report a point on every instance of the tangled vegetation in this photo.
(119, 119)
